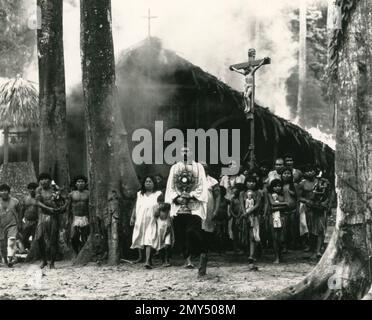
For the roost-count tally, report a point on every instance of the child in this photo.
(234, 212)
(276, 221)
(292, 222)
(165, 232)
(251, 201)
(220, 220)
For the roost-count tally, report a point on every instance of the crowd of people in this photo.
(257, 209)
(40, 216)
(190, 212)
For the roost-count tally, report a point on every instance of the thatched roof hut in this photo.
(157, 84)
(18, 104)
(19, 111)
(18, 115)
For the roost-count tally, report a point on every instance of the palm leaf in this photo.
(18, 104)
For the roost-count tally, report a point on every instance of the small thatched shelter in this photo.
(18, 115)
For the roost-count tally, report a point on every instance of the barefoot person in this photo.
(187, 192)
(78, 213)
(276, 221)
(165, 234)
(144, 220)
(30, 214)
(235, 218)
(313, 194)
(251, 201)
(292, 221)
(47, 230)
(213, 204)
(221, 221)
(9, 221)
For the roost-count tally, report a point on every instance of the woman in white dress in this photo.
(144, 221)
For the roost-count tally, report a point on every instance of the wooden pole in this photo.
(251, 57)
(6, 146)
(29, 146)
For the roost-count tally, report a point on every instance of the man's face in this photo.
(279, 164)
(80, 184)
(4, 194)
(289, 162)
(186, 153)
(45, 183)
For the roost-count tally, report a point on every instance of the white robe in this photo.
(200, 192)
(145, 228)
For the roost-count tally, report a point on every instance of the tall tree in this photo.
(301, 62)
(52, 94)
(112, 179)
(344, 272)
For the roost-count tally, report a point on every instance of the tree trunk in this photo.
(301, 63)
(112, 179)
(344, 270)
(53, 155)
(52, 95)
(6, 146)
(29, 145)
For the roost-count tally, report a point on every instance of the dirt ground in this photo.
(228, 277)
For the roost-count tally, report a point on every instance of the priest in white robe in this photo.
(187, 192)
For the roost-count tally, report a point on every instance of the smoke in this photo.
(211, 34)
(215, 34)
(326, 138)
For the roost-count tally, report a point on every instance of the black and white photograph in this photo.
(199, 150)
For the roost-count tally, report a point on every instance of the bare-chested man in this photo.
(78, 209)
(313, 193)
(9, 224)
(47, 230)
(289, 163)
(30, 214)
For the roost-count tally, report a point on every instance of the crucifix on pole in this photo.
(149, 17)
(248, 69)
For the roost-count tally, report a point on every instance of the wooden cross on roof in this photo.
(149, 17)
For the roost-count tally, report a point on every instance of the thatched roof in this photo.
(148, 63)
(192, 76)
(18, 104)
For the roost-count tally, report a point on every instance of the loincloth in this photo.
(80, 221)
